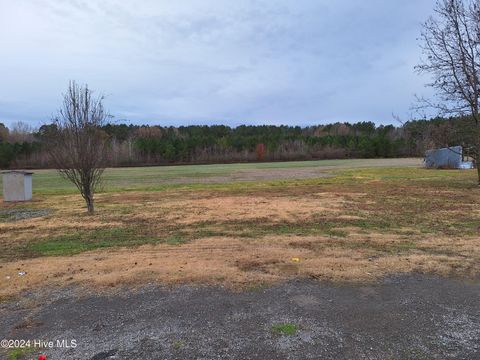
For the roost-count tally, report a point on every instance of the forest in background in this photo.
(140, 145)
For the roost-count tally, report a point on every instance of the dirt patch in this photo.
(281, 174)
(244, 208)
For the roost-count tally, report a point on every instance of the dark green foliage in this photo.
(141, 145)
(222, 143)
(7, 154)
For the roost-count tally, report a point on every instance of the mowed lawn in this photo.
(245, 224)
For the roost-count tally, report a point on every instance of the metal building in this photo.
(17, 185)
(446, 158)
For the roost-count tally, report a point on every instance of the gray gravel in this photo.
(404, 317)
(17, 214)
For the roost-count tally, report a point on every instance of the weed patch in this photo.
(287, 329)
(19, 353)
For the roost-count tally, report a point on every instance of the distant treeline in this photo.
(135, 145)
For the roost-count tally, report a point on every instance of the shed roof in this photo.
(17, 172)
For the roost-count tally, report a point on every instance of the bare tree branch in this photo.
(77, 143)
(451, 46)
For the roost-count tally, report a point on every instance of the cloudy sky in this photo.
(214, 61)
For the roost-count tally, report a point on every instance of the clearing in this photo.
(339, 221)
(246, 246)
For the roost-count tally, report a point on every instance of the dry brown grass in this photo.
(332, 231)
(234, 262)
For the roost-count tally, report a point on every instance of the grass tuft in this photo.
(19, 353)
(288, 329)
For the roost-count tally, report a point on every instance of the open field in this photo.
(245, 225)
(162, 177)
(271, 230)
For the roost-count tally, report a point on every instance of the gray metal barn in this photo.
(446, 158)
(17, 185)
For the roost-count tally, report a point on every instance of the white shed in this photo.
(17, 185)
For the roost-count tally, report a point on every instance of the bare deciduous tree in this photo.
(451, 46)
(77, 145)
(21, 132)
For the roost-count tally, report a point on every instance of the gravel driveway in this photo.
(404, 317)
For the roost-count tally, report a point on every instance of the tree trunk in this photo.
(89, 201)
(478, 171)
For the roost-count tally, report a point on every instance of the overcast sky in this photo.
(295, 62)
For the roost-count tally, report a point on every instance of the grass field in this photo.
(161, 177)
(245, 224)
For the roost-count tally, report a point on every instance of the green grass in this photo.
(71, 244)
(288, 329)
(177, 345)
(263, 227)
(397, 200)
(81, 241)
(19, 353)
(184, 176)
(256, 287)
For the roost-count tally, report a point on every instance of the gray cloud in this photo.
(214, 61)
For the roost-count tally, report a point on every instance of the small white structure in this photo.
(467, 165)
(17, 185)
